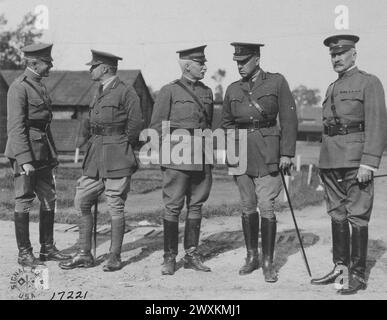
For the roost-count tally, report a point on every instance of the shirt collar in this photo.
(107, 81)
(255, 75)
(349, 72)
(188, 81)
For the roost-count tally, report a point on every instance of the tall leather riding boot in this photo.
(25, 258)
(83, 258)
(192, 259)
(358, 261)
(171, 239)
(268, 234)
(117, 235)
(250, 226)
(48, 251)
(340, 249)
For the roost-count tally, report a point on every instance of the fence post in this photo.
(76, 156)
(298, 163)
(310, 174)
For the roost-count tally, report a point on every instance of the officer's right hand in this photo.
(28, 168)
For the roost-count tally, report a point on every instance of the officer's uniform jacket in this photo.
(111, 155)
(27, 102)
(176, 105)
(358, 97)
(265, 145)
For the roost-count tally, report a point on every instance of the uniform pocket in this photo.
(36, 102)
(268, 101)
(39, 145)
(351, 103)
(111, 110)
(183, 109)
(236, 103)
(354, 145)
(271, 138)
(118, 154)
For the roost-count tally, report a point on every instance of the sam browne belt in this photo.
(342, 129)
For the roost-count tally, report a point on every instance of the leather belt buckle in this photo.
(343, 129)
(331, 130)
(256, 124)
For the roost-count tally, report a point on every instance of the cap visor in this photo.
(93, 63)
(241, 58)
(200, 59)
(339, 50)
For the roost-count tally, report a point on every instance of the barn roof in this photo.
(72, 87)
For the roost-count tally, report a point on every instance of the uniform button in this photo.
(251, 118)
(250, 93)
(96, 112)
(250, 105)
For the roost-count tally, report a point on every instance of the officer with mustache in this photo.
(354, 118)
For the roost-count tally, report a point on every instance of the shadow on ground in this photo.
(211, 246)
(376, 249)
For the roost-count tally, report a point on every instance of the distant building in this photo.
(309, 123)
(71, 93)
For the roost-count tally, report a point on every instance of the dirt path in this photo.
(223, 247)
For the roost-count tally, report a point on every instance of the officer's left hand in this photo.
(364, 175)
(285, 164)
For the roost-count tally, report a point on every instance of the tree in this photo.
(11, 41)
(305, 97)
(219, 76)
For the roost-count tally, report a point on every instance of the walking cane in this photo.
(95, 228)
(374, 177)
(295, 224)
(48, 166)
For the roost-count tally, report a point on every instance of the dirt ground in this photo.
(222, 246)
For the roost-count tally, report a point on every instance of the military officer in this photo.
(31, 151)
(253, 103)
(188, 104)
(354, 118)
(115, 122)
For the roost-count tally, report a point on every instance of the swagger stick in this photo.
(23, 173)
(374, 177)
(295, 224)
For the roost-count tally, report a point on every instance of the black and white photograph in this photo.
(207, 152)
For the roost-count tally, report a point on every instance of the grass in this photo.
(146, 180)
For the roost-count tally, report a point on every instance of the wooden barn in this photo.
(310, 124)
(71, 93)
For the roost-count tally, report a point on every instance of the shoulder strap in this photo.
(201, 107)
(255, 104)
(333, 107)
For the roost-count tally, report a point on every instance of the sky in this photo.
(147, 34)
